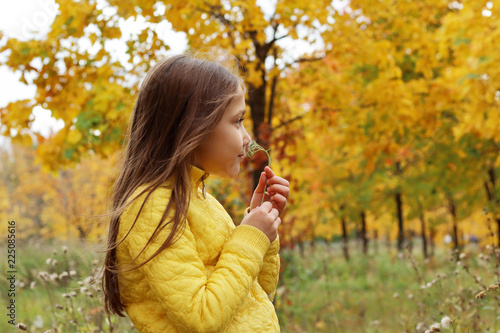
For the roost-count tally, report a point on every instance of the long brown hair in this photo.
(179, 104)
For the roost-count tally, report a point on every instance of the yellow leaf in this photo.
(74, 136)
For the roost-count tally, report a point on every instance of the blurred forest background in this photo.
(383, 115)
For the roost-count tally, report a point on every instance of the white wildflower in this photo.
(435, 327)
(446, 321)
(88, 281)
(22, 327)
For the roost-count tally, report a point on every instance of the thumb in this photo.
(262, 183)
(269, 172)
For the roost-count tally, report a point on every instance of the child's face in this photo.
(221, 153)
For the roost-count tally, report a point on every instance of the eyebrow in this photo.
(241, 113)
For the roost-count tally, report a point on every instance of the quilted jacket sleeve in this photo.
(269, 274)
(177, 276)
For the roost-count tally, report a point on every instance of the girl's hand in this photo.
(277, 191)
(265, 218)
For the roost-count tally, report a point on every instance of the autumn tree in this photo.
(396, 87)
(393, 117)
(47, 205)
(93, 93)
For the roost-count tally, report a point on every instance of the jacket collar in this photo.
(198, 177)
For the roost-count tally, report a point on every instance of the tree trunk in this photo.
(453, 210)
(81, 232)
(364, 238)
(344, 239)
(301, 249)
(257, 103)
(498, 230)
(424, 238)
(399, 207)
(491, 173)
(491, 195)
(432, 243)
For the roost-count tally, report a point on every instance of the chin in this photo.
(232, 171)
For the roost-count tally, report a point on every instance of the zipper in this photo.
(203, 185)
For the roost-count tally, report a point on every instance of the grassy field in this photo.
(318, 292)
(387, 291)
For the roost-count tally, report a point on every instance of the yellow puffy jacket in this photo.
(217, 277)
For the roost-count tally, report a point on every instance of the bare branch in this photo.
(216, 12)
(278, 38)
(304, 60)
(275, 30)
(287, 122)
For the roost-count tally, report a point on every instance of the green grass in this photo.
(381, 292)
(41, 305)
(318, 292)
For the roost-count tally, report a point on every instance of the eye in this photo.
(240, 121)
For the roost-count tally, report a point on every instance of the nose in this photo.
(246, 137)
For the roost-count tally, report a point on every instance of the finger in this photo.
(262, 183)
(279, 189)
(279, 199)
(277, 222)
(274, 213)
(267, 206)
(277, 180)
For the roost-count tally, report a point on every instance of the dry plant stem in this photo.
(84, 316)
(414, 266)
(495, 252)
(466, 268)
(54, 321)
(74, 312)
(111, 330)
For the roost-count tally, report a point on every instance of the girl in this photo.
(176, 262)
